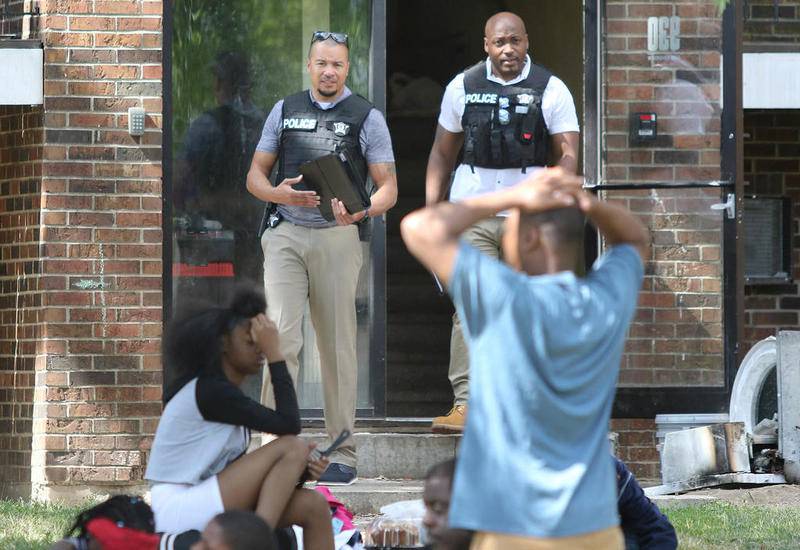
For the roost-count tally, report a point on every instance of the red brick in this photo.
(91, 88)
(60, 39)
(138, 220)
(644, 11)
(116, 426)
(630, 92)
(93, 219)
(118, 299)
(92, 250)
(55, 55)
(91, 120)
(118, 203)
(139, 409)
(107, 330)
(152, 40)
(91, 442)
(152, 105)
(117, 394)
(55, 87)
(54, 218)
(67, 234)
(139, 24)
(152, 268)
(139, 283)
(113, 40)
(91, 23)
(117, 6)
(137, 346)
(152, 236)
(54, 22)
(152, 8)
(139, 251)
(118, 266)
(116, 71)
(117, 235)
(152, 72)
(91, 153)
(85, 314)
(55, 153)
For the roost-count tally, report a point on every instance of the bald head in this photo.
(504, 20)
(506, 42)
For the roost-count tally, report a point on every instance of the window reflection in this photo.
(216, 218)
(232, 60)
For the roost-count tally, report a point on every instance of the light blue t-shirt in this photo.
(544, 357)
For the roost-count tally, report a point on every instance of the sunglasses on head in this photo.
(338, 37)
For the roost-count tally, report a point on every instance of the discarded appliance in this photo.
(721, 454)
(715, 449)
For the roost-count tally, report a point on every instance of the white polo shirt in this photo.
(558, 109)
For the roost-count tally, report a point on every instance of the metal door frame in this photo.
(377, 271)
(646, 402)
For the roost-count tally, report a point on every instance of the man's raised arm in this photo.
(431, 233)
(617, 224)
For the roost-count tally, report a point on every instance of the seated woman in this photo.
(198, 467)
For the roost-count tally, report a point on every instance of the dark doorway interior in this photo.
(428, 43)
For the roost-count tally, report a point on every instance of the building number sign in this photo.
(663, 34)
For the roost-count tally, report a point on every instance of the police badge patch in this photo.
(524, 99)
(341, 128)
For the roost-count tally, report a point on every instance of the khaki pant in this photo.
(318, 267)
(607, 539)
(486, 236)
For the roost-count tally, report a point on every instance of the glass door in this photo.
(661, 139)
(231, 61)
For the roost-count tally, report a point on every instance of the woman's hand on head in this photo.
(265, 335)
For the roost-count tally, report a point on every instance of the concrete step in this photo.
(397, 455)
(366, 496)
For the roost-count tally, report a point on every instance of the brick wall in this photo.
(772, 168)
(98, 372)
(19, 18)
(20, 296)
(771, 23)
(636, 447)
(675, 338)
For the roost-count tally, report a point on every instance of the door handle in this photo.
(729, 206)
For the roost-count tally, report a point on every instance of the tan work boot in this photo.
(452, 422)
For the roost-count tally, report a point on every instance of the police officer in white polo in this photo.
(512, 117)
(307, 259)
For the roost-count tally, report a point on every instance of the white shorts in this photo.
(179, 507)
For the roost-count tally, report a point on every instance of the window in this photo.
(767, 240)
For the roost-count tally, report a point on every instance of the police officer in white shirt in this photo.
(512, 117)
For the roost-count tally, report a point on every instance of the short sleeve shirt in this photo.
(558, 109)
(544, 357)
(375, 141)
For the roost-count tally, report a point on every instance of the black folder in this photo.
(335, 176)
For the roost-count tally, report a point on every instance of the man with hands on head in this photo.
(544, 350)
(307, 259)
(512, 117)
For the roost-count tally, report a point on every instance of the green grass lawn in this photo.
(720, 525)
(26, 526)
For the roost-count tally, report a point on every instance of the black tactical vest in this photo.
(308, 132)
(503, 125)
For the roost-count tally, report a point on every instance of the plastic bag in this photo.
(398, 526)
